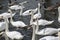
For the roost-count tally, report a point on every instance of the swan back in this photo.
(2, 26)
(49, 38)
(43, 22)
(14, 35)
(18, 24)
(47, 31)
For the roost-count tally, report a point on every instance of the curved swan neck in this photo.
(6, 21)
(59, 12)
(21, 11)
(33, 34)
(38, 8)
(37, 26)
(31, 17)
(33, 26)
(11, 16)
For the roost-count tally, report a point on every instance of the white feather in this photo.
(49, 38)
(47, 31)
(14, 35)
(43, 22)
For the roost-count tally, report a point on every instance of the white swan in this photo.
(12, 34)
(28, 12)
(43, 22)
(2, 25)
(38, 15)
(47, 31)
(17, 7)
(49, 38)
(17, 23)
(59, 14)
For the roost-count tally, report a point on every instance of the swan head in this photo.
(39, 4)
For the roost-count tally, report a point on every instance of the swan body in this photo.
(28, 12)
(18, 24)
(43, 22)
(6, 14)
(49, 38)
(47, 31)
(14, 35)
(2, 26)
(15, 7)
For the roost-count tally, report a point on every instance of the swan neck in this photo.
(37, 26)
(38, 9)
(6, 22)
(59, 12)
(33, 35)
(21, 11)
(11, 17)
(31, 17)
(33, 26)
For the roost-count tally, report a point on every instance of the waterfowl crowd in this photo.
(35, 23)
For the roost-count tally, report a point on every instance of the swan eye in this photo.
(29, 11)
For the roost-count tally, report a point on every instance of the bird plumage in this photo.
(18, 23)
(43, 22)
(2, 26)
(6, 14)
(28, 12)
(49, 38)
(47, 31)
(15, 7)
(14, 35)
